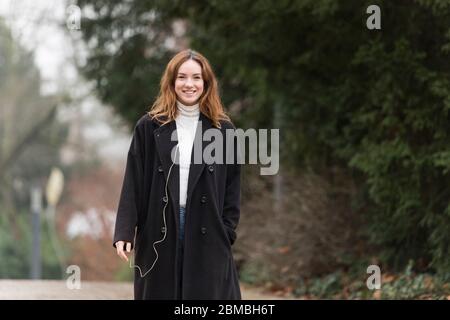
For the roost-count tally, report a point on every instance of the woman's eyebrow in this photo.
(183, 74)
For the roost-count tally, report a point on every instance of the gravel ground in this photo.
(58, 290)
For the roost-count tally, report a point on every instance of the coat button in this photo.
(203, 230)
(163, 230)
(164, 199)
(211, 168)
(160, 169)
(203, 199)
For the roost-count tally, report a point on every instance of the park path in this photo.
(55, 289)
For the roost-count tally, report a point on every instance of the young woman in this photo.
(180, 215)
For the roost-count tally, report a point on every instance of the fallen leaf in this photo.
(284, 250)
(285, 269)
(377, 294)
(388, 278)
(288, 290)
(428, 282)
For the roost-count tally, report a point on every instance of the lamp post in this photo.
(54, 187)
(36, 208)
(53, 192)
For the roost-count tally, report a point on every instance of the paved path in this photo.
(55, 289)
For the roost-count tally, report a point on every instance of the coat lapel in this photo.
(165, 145)
(195, 170)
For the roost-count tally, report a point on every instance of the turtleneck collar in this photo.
(188, 111)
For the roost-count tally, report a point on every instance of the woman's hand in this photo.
(120, 246)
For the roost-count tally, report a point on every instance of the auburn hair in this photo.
(164, 109)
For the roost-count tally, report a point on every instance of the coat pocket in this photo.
(231, 234)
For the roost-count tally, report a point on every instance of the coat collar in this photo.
(165, 145)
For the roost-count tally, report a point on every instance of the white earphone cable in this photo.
(165, 225)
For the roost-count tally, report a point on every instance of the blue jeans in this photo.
(182, 220)
(181, 248)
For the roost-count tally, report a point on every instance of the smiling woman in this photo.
(178, 215)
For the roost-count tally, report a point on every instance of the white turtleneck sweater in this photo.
(186, 120)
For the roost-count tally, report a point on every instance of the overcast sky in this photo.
(37, 26)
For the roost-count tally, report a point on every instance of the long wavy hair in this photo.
(164, 109)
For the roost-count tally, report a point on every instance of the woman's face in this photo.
(189, 83)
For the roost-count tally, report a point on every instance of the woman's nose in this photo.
(188, 82)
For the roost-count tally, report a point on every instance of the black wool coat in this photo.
(212, 215)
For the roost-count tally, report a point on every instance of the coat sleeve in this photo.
(231, 210)
(128, 208)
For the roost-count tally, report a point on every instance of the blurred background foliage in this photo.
(363, 117)
(30, 138)
(372, 103)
